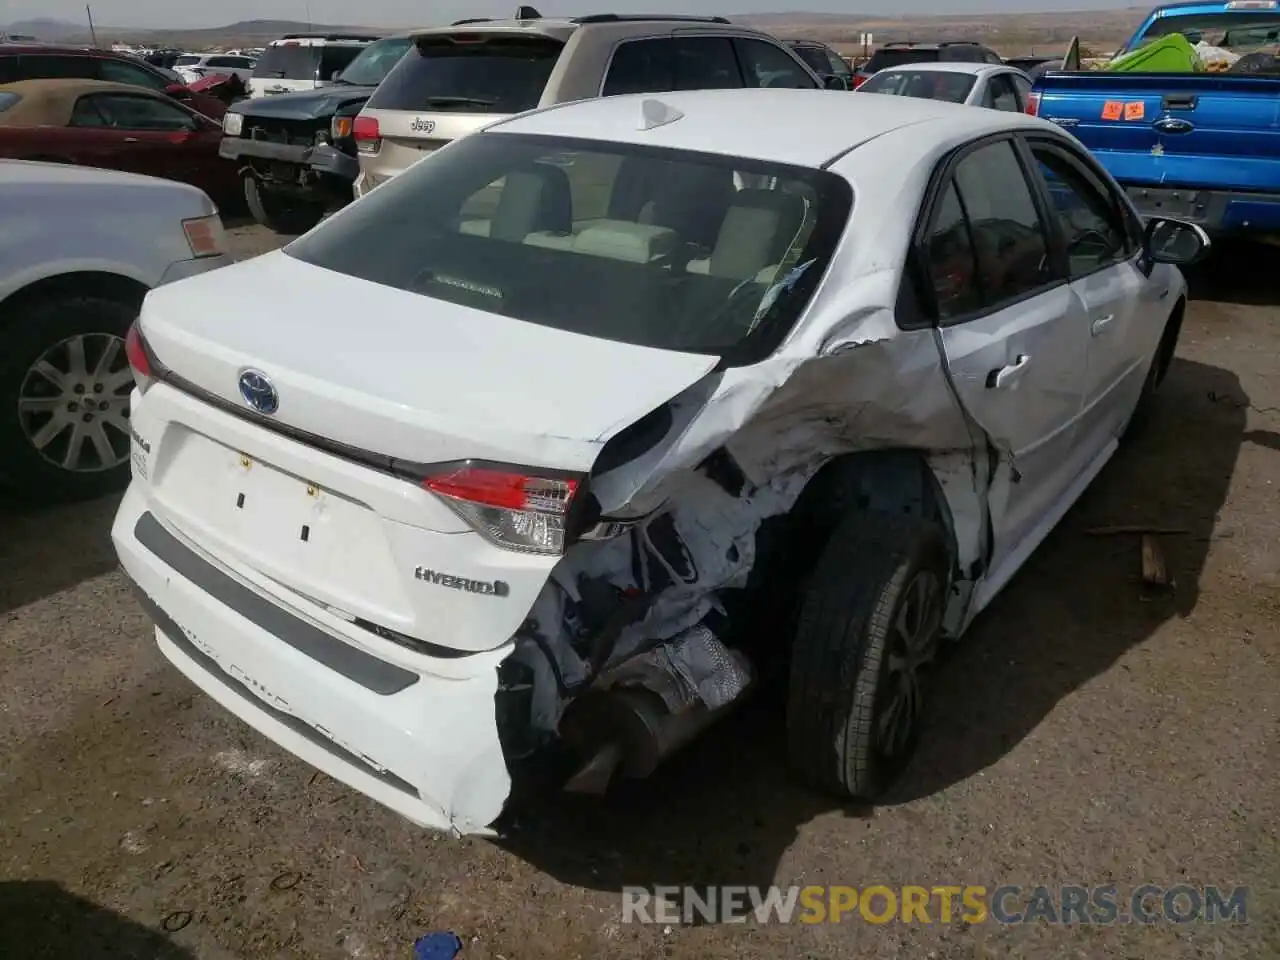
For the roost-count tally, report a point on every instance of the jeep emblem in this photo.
(422, 126)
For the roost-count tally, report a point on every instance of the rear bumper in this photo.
(423, 742)
(1217, 211)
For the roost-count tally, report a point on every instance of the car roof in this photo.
(802, 127)
(948, 66)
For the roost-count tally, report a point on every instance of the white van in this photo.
(304, 61)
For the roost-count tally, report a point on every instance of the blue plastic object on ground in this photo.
(437, 946)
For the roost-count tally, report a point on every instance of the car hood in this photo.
(304, 104)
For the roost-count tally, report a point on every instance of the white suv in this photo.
(458, 78)
(304, 61)
(595, 417)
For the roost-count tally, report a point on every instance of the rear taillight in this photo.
(1033, 104)
(513, 508)
(139, 360)
(858, 80)
(367, 135)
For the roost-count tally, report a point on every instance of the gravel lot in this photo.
(1085, 733)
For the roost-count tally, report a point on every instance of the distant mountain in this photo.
(48, 29)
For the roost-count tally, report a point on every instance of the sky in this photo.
(162, 14)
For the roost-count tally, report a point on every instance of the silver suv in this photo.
(456, 79)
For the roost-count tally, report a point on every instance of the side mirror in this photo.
(831, 82)
(1178, 242)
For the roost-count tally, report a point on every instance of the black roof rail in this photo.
(959, 43)
(328, 36)
(642, 17)
(466, 20)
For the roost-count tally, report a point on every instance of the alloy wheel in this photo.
(912, 648)
(73, 403)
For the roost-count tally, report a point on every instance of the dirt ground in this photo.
(1084, 733)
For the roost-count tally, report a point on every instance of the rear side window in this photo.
(288, 63)
(900, 57)
(660, 65)
(470, 73)
(653, 247)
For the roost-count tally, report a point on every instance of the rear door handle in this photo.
(1007, 376)
(1101, 323)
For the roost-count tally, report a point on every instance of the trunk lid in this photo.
(404, 375)
(393, 374)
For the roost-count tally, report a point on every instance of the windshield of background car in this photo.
(662, 248)
(294, 62)
(336, 57)
(470, 73)
(186, 61)
(922, 84)
(375, 62)
(898, 58)
(1236, 42)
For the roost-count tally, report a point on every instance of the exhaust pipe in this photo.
(651, 707)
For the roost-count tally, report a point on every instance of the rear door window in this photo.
(291, 62)
(470, 73)
(660, 65)
(838, 67)
(768, 65)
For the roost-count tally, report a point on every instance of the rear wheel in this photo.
(280, 213)
(868, 631)
(65, 383)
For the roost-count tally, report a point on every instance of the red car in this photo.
(47, 62)
(117, 127)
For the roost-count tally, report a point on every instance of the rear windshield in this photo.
(186, 61)
(662, 248)
(898, 58)
(922, 84)
(288, 63)
(470, 74)
(375, 62)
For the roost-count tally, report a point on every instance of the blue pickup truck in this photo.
(1201, 146)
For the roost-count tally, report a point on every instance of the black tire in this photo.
(1156, 372)
(281, 214)
(31, 331)
(845, 646)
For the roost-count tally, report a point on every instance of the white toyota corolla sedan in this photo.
(591, 421)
